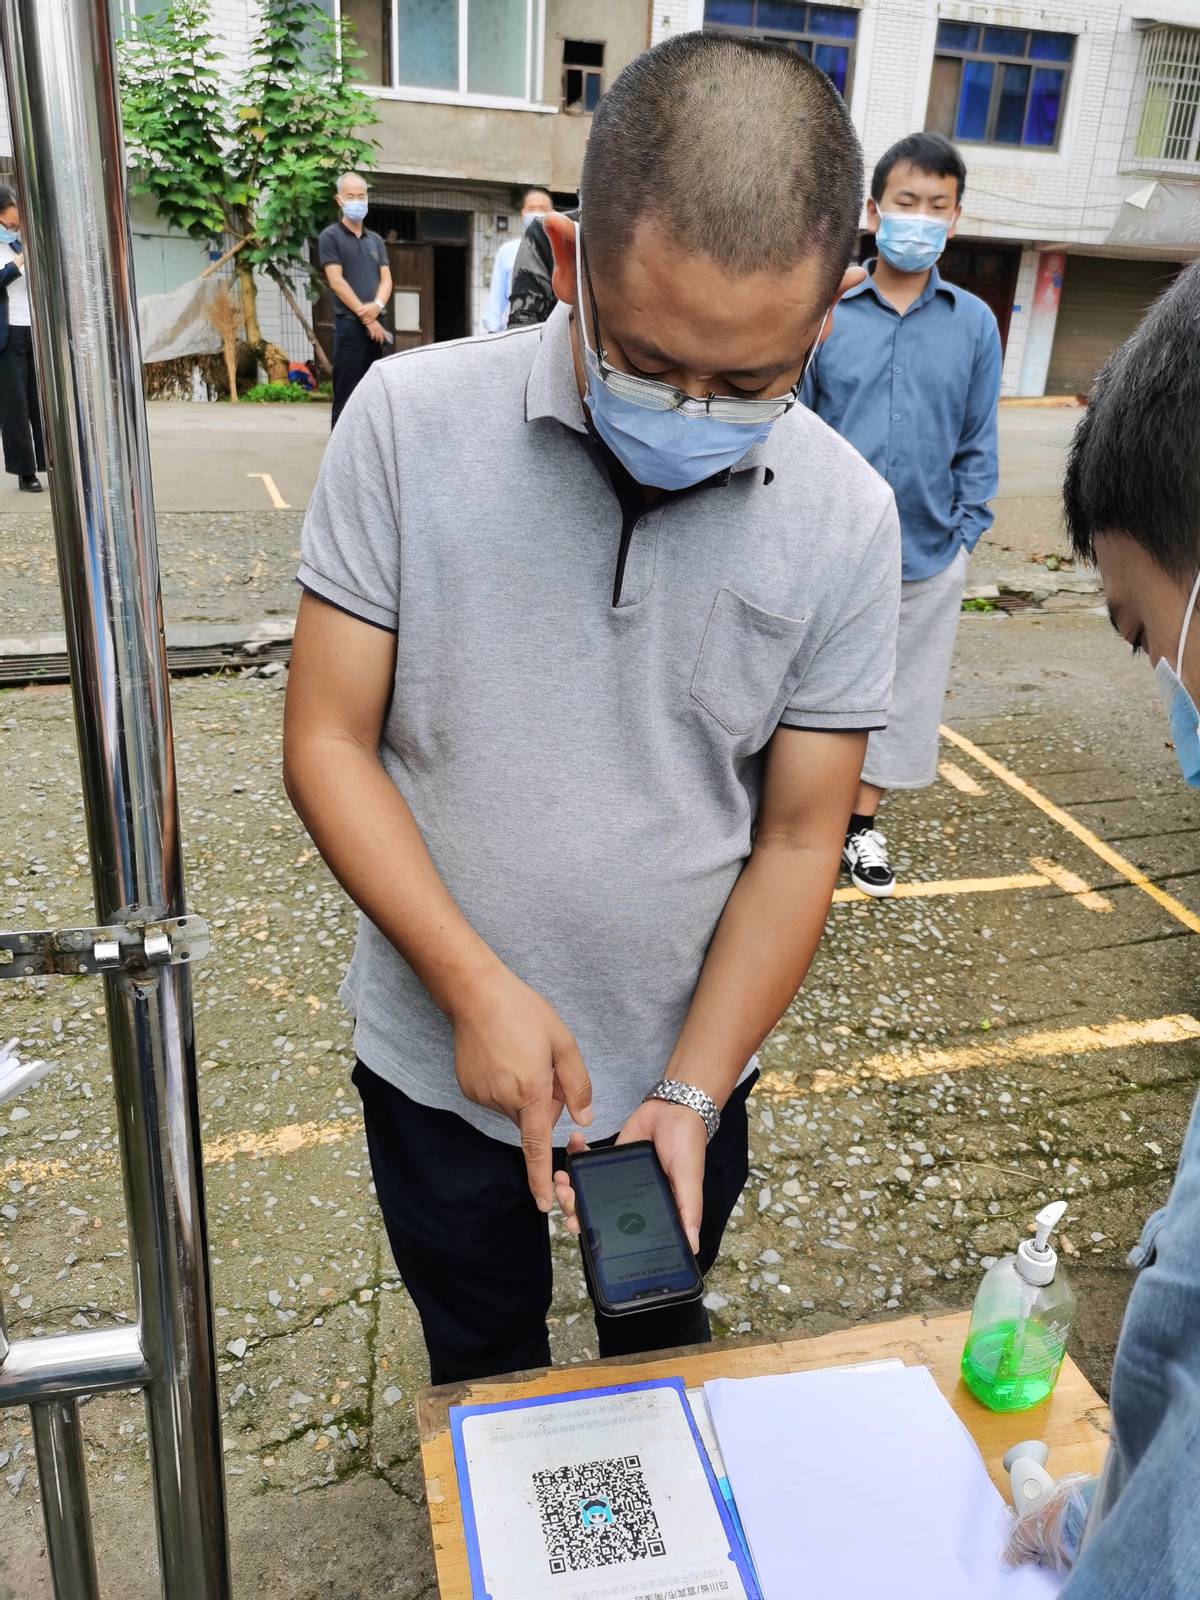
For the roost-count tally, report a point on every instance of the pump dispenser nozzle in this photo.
(1036, 1260)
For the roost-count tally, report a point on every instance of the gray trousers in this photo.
(904, 754)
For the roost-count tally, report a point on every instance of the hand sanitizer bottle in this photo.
(1020, 1323)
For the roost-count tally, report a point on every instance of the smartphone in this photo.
(635, 1252)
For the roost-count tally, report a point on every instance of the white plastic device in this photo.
(1025, 1464)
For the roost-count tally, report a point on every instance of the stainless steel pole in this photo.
(58, 1441)
(63, 100)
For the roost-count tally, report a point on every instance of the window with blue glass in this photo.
(1003, 86)
(824, 35)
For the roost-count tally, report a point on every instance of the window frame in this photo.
(995, 59)
(1133, 161)
(804, 36)
(588, 72)
(535, 65)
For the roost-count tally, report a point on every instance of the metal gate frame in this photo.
(60, 72)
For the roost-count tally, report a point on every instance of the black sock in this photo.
(859, 824)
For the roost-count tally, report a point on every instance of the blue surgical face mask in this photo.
(911, 241)
(673, 448)
(354, 210)
(8, 235)
(1181, 708)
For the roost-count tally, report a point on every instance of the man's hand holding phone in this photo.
(514, 1054)
(680, 1140)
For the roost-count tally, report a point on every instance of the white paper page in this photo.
(862, 1484)
(541, 1474)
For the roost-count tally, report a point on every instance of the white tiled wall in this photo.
(668, 17)
(1067, 196)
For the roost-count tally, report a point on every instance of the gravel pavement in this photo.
(912, 1114)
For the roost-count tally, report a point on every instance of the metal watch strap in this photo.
(686, 1094)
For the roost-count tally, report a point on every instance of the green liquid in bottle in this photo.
(1012, 1365)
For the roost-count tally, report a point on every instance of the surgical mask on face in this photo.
(527, 217)
(8, 235)
(663, 449)
(354, 210)
(1181, 708)
(911, 241)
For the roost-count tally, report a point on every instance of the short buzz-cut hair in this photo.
(344, 177)
(1134, 463)
(743, 152)
(535, 188)
(928, 152)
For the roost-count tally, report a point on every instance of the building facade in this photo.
(1079, 121)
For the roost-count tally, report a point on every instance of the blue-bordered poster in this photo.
(605, 1494)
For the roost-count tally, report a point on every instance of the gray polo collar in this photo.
(551, 390)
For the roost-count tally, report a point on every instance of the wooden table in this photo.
(1073, 1423)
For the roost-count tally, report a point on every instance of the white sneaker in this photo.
(865, 856)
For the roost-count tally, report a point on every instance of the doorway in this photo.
(987, 270)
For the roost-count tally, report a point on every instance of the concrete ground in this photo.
(1023, 1027)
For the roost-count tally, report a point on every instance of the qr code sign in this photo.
(596, 1514)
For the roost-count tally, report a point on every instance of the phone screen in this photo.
(634, 1239)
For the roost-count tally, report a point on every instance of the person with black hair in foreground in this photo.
(1132, 503)
(20, 414)
(911, 377)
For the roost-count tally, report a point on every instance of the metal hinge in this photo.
(125, 947)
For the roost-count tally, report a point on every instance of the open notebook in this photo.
(861, 1483)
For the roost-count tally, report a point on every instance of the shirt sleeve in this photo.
(497, 306)
(350, 544)
(847, 686)
(975, 468)
(327, 249)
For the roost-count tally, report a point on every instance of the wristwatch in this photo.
(380, 304)
(686, 1094)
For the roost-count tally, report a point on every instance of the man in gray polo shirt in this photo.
(585, 764)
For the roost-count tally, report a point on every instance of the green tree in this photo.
(253, 155)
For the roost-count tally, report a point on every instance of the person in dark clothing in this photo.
(20, 414)
(356, 269)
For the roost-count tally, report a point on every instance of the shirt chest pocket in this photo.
(746, 656)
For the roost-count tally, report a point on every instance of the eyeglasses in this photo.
(654, 396)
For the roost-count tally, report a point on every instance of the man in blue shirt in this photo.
(910, 376)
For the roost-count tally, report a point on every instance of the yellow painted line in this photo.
(256, 1144)
(1071, 883)
(958, 779)
(269, 485)
(888, 1068)
(1095, 844)
(1009, 1052)
(941, 886)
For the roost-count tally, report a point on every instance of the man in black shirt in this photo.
(356, 269)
